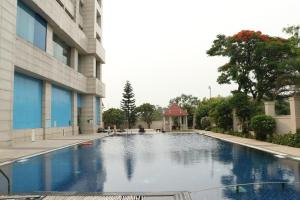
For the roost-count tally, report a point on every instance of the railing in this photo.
(8, 181)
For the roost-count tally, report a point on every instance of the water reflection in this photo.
(72, 169)
(129, 157)
(163, 162)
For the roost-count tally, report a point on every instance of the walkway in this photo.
(281, 150)
(20, 150)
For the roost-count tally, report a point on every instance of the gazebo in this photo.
(175, 112)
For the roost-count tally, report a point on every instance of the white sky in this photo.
(160, 45)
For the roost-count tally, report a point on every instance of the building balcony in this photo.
(95, 86)
(33, 61)
(69, 7)
(95, 47)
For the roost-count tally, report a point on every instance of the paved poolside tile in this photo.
(266, 146)
(19, 150)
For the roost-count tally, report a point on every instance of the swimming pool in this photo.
(154, 163)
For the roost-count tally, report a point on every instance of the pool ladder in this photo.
(8, 181)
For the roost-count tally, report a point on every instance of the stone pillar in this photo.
(88, 66)
(74, 59)
(194, 121)
(180, 122)
(170, 123)
(47, 90)
(295, 113)
(270, 108)
(74, 114)
(164, 123)
(186, 123)
(88, 113)
(49, 40)
(8, 13)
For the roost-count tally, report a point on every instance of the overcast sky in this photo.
(160, 45)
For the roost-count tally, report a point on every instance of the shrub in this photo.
(205, 123)
(287, 139)
(263, 125)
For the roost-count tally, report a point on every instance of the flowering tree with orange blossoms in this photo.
(261, 65)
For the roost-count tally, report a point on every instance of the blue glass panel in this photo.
(25, 22)
(31, 26)
(61, 107)
(27, 102)
(40, 32)
(98, 110)
(79, 101)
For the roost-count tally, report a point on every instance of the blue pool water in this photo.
(163, 162)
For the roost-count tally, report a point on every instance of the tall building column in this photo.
(8, 13)
(74, 59)
(46, 117)
(88, 114)
(74, 114)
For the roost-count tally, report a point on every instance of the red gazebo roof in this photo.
(174, 110)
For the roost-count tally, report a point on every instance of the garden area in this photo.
(264, 68)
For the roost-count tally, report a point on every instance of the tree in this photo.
(261, 65)
(128, 105)
(205, 108)
(189, 103)
(113, 116)
(222, 114)
(146, 112)
(158, 113)
(244, 109)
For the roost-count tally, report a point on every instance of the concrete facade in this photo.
(78, 24)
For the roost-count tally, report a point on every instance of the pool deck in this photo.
(280, 150)
(103, 196)
(28, 149)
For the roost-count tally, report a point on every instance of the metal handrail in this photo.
(237, 186)
(8, 181)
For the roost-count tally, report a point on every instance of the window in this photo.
(27, 104)
(98, 19)
(31, 26)
(61, 107)
(61, 51)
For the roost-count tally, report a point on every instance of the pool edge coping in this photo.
(48, 151)
(274, 153)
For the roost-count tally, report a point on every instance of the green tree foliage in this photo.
(260, 65)
(205, 108)
(146, 112)
(222, 114)
(282, 107)
(128, 105)
(113, 116)
(187, 102)
(244, 108)
(158, 113)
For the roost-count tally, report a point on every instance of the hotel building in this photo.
(51, 58)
